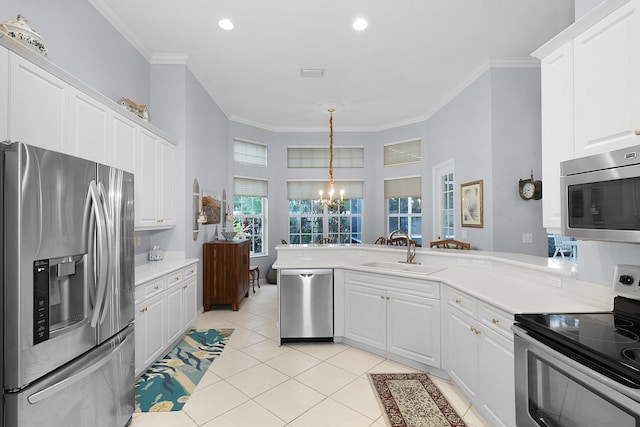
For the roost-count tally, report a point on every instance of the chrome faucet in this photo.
(411, 246)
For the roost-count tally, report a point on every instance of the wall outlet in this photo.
(527, 238)
(626, 280)
(363, 254)
(554, 281)
(299, 254)
(138, 241)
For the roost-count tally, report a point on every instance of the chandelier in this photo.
(330, 201)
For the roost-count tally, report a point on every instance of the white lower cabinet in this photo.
(149, 327)
(165, 309)
(401, 317)
(477, 353)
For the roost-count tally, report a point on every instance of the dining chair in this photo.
(450, 244)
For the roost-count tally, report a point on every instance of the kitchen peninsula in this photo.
(450, 313)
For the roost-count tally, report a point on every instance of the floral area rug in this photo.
(413, 400)
(168, 383)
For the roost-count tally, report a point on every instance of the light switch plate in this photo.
(630, 273)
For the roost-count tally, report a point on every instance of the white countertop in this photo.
(511, 282)
(150, 270)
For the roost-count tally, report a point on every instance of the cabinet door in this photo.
(166, 181)
(460, 350)
(189, 303)
(4, 94)
(607, 90)
(121, 152)
(557, 128)
(413, 327)
(39, 105)
(497, 379)
(150, 336)
(89, 127)
(365, 315)
(146, 181)
(174, 312)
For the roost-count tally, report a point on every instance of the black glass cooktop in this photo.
(608, 342)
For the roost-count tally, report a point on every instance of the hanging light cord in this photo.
(331, 110)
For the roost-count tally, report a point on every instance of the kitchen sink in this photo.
(399, 266)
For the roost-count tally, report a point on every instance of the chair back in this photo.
(323, 240)
(450, 244)
(561, 242)
(400, 241)
(381, 241)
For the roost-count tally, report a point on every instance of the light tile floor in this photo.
(255, 382)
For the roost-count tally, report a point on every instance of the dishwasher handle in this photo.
(307, 272)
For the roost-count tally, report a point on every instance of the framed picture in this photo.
(211, 207)
(471, 204)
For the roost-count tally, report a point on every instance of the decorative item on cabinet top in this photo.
(20, 30)
(139, 110)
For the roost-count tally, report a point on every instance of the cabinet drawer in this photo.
(461, 301)
(147, 290)
(426, 288)
(496, 320)
(190, 271)
(174, 278)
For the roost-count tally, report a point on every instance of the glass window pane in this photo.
(416, 204)
(404, 205)
(393, 205)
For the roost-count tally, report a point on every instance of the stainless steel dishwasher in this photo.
(306, 305)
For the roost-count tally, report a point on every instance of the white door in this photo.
(365, 315)
(557, 128)
(39, 105)
(497, 378)
(460, 350)
(444, 201)
(413, 327)
(606, 84)
(189, 302)
(121, 151)
(174, 312)
(167, 181)
(89, 127)
(146, 180)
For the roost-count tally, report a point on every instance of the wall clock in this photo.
(530, 189)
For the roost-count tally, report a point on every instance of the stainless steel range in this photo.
(581, 369)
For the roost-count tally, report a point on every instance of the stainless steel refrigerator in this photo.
(67, 289)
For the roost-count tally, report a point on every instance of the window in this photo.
(402, 153)
(318, 157)
(444, 209)
(309, 220)
(404, 206)
(249, 153)
(249, 212)
(447, 210)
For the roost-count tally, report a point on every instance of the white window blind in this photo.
(310, 190)
(402, 153)
(249, 153)
(403, 187)
(249, 187)
(318, 157)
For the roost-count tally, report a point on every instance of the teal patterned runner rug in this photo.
(168, 383)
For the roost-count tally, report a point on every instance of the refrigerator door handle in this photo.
(92, 365)
(103, 260)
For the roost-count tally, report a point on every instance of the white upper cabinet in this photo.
(607, 84)
(590, 93)
(121, 151)
(4, 94)
(89, 127)
(39, 106)
(154, 182)
(557, 128)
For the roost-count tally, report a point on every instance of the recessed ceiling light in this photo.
(360, 24)
(225, 24)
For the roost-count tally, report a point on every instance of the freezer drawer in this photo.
(306, 305)
(96, 389)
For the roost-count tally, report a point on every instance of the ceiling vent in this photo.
(311, 72)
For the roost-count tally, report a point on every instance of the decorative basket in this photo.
(20, 30)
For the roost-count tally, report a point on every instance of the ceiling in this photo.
(414, 56)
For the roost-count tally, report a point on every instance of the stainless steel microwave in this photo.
(601, 196)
